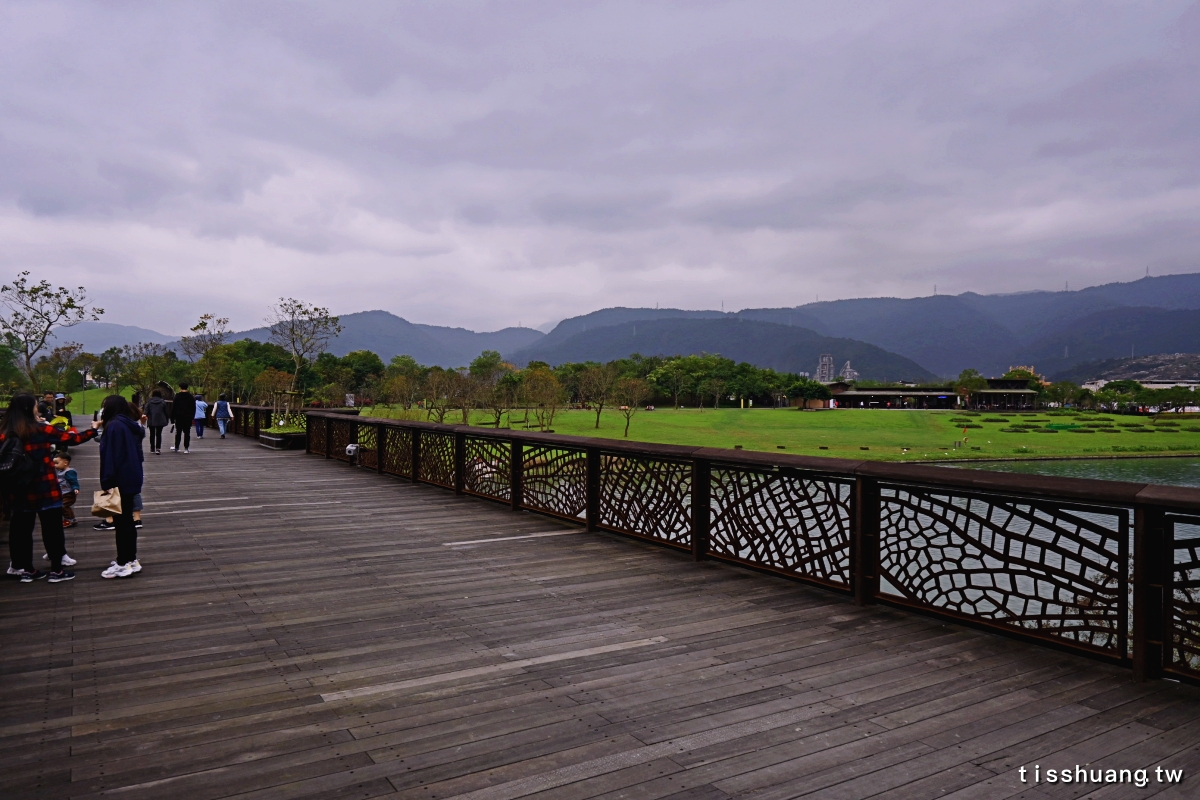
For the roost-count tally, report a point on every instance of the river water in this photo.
(1168, 471)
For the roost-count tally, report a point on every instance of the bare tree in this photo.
(303, 330)
(596, 387)
(439, 388)
(207, 335)
(630, 393)
(545, 394)
(35, 311)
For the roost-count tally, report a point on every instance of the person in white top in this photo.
(201, 411)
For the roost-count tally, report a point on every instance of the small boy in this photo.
(68, 484)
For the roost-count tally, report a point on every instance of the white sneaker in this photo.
(67, 560)
(172, 448)
(186, 451)
(117, 571)
(134, 566)
(12, 571)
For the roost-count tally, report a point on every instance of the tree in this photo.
(969, 382)
(630, 393)
(302, 330)
(596, 387)
(439, 389)
(714, 387)
(109, 365)
(144, 365)
(211, 331)
(673, 378)
(544, 393)
(53, 370)
(35, 311)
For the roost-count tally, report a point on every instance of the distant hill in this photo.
(764, 344)
(96, 337)
(1116, 333)
(1163, 367)
(388, 335)
(949, 333)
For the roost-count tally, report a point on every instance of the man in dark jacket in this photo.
(183, 413)
(157, 418)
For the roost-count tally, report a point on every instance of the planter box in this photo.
(283, 441)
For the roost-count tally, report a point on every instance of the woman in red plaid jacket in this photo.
(41, 499)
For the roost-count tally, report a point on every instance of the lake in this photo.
(1168, 471)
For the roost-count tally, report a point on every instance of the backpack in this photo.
(17, 469)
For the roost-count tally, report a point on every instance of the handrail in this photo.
(1103, 568)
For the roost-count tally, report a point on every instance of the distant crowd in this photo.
(39, 485)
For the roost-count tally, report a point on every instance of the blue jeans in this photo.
(200, 428)
(222, 424)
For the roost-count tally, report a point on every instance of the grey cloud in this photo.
(599, 152)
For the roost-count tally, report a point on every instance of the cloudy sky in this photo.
(483, 164)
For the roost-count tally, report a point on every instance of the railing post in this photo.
(307, 434)
(379, 449)
(865, 541)
(1150, 592)
(460, 461)
(415, 467)
(329, 437)
(701, 507)
(592, 494)
(257, 423)
(516, 475)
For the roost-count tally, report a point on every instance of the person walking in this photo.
(201, 415)
(121, 469)
(157, 418)
(183, 414)
(40, 498)
(222, 413)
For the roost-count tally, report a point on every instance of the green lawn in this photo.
(91, 399)
(928, 435)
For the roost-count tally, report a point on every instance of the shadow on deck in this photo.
(304, 629)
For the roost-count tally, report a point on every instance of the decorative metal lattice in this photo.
(1185, 596)
(397, 451)
(1050, 570)
(487, 468)
(343, 432)
(437, 458)
(792, 523)
(647, 497)
(368, 452)
(554, 480)
(316, 435)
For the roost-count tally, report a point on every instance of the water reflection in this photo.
(1167, 471)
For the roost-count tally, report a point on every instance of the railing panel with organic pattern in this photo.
(554, 480)
(1052, 570)
(647, 497)
(1184, 641)
(437, 458)
(487, 468)
(792, 523)
(397, 451)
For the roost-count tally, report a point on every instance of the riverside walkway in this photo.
(304, 629)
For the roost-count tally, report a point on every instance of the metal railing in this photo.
(1108, 569)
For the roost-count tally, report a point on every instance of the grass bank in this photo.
(890, 435)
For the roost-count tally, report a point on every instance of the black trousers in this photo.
(183, 429)
(156, 437)
(20, 537)
(126, 533)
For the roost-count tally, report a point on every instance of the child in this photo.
(68, 484)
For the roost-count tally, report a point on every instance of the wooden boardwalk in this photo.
(305, 629)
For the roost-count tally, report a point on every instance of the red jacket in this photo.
(44, 491)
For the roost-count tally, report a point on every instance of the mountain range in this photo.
(884, 338)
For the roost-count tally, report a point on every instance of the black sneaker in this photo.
(31, 575)
(64, 575)
(137, 523)
(104, 526)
